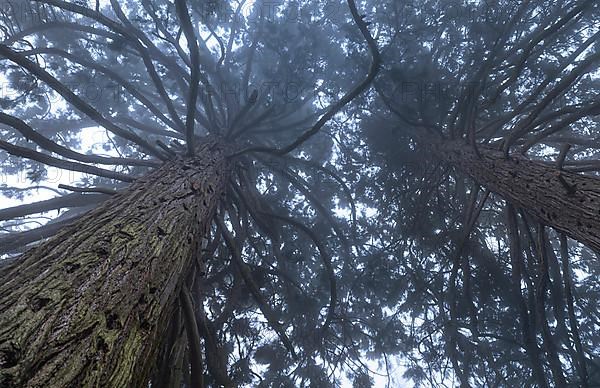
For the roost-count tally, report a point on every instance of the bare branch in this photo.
(242, 113)
(541, 293)
(20, 189)
(49, 145)
(148, 127)
(563, 154)
(65, 201)
(592, 109)
(527, 331)
(581, 362)
(166, 148)
(524, 125)
(102, 190)
(60, 163)
(14, 241)
(216, 358)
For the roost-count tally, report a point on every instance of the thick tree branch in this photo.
(65, 201)
(60, 163)
(592, 109)
(102, 190)
(15, 241)
(20, 189)
(580, 362)
(524, 125)
(541, 294)
(148, 127)
(49, 145)
(190, 36)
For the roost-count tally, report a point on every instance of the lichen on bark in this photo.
(89, 306)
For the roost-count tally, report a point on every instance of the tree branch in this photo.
(137, 94)
(247, 276)
(76, 101)
(14, 241)
(60, 163)
(190, 36)
(49, 145)
(102, 190)
(65, 201)
(326, 261)
(191, 327)
(335, 108)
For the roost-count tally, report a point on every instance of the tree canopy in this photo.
(413, 186)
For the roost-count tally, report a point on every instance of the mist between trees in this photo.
(272, 91)
(299, 194)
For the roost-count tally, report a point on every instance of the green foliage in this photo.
(460, 70)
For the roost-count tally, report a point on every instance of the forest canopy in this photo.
(299, 194)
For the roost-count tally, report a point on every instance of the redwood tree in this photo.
(483, 155)
(174, 275)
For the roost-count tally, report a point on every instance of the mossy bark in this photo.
(89, 307)
(566, 201)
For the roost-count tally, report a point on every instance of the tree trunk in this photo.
(567, 201)
(89, 306)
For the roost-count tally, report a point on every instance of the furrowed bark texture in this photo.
(567, 201)
(88, 307)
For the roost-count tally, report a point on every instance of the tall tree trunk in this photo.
(89, 306)
(567, 201)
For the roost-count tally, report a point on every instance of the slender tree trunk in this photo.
(567, 201)
(89, 307)
(528, 334)
(581, 363)
(540, 309)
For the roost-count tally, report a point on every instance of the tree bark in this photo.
(566, 201)
(89, 306)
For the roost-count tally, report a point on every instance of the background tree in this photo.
(477, 147)
(459, 152)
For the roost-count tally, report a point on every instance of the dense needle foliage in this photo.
(346, 236)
